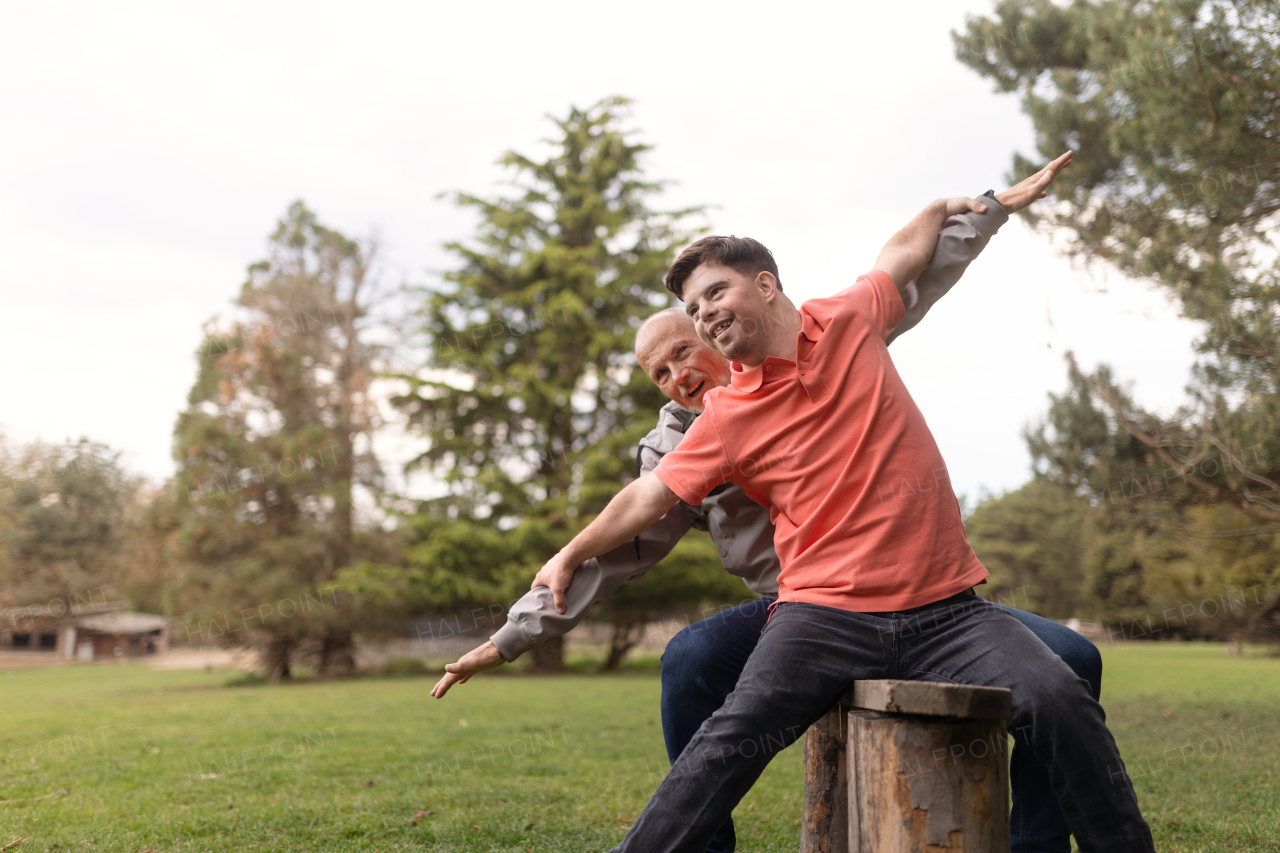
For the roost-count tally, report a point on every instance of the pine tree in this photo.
(272, 443)
(1031, 540)
(531, 403)
(64, 512)
(1173, 109)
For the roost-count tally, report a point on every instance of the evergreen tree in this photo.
(63, 515)
(1031, 540)
(530, 402)
(1174, 109)
(275, 437)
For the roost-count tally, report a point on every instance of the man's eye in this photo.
(680, 351)
(661, 374)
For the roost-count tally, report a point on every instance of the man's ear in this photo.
(768, 284)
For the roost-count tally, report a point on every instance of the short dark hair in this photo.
(741, 254)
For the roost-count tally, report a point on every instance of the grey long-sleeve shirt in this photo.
(740, 527)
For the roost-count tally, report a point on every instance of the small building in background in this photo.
(106, 632)
(125, 633)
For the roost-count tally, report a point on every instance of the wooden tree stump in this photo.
(925, 770)
(824, 828)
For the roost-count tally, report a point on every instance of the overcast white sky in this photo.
(149, 149)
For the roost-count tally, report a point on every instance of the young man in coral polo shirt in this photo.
(876, 577)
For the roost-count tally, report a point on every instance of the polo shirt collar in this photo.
(748, 379)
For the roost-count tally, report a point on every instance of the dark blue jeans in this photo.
(703, 664)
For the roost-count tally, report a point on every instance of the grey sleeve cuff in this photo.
(988, 223)
(533, 619)
(511, 641)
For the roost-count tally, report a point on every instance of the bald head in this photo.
(656, 329)
(670, 352)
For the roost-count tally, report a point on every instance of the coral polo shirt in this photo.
(834, 446)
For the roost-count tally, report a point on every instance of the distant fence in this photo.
(589, 636)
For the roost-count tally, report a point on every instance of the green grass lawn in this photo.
(129, 759)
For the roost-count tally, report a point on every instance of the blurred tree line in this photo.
(516, 370)
(1172, 107)
(279, 531)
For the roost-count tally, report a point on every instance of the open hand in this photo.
(1028, 190)
(479, 659)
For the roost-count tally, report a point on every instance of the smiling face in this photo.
(668, 349)
(730, 310)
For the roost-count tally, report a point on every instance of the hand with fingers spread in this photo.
(479, 659)
(1029, 189)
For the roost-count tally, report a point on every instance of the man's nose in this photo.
(704, 323)
(682, 377)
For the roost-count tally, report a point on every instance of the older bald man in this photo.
(702, 663)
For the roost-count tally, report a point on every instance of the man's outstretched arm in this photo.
(534, 619)
(907, 253)
(632, 510)
(962, 239)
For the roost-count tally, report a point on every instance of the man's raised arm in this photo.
(962, 239)
(907, 253)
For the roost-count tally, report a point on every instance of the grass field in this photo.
(125, 758)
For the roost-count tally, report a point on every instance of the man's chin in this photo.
(742, 352)
(692, 404)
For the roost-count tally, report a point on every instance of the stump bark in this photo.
(826, 796)
(925, 770)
